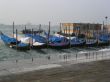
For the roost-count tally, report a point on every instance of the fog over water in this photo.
(42, 11)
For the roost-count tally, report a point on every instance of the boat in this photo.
(35, 41)
(29, 31)
(57, 41)
(38, 41)
(103, 40)
(91, 43)
(79, 40)
(21, 46)
(8, 40)
(76, 42)
(14, 43)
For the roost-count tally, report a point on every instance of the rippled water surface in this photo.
(7, 53)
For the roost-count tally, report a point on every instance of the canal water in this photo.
(8, 54)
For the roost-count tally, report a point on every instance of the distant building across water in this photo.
(70, 28)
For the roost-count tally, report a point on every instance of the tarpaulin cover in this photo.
(37, 38)
(7, 39)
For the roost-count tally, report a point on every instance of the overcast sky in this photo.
(42, 11)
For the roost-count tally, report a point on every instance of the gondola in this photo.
(14, 43)
(77, 42)
(57, 41)
(91, 43)
(38, 41)
(104, 40)
(29, 31)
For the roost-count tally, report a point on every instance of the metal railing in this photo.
(70, 57)
(24, 65)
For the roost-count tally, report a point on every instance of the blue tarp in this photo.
(77, 41)
(22, 45)
(104, 37)
(57, 39)
(37, 38)
(7, 39)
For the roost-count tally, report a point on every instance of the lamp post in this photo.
(106, 23)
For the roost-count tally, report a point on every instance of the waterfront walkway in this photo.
(20, 66)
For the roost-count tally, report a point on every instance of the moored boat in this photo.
(76, 42)
(14, 43)
(91, 43)
(57, 41)
(38, 41)
(104, 40)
